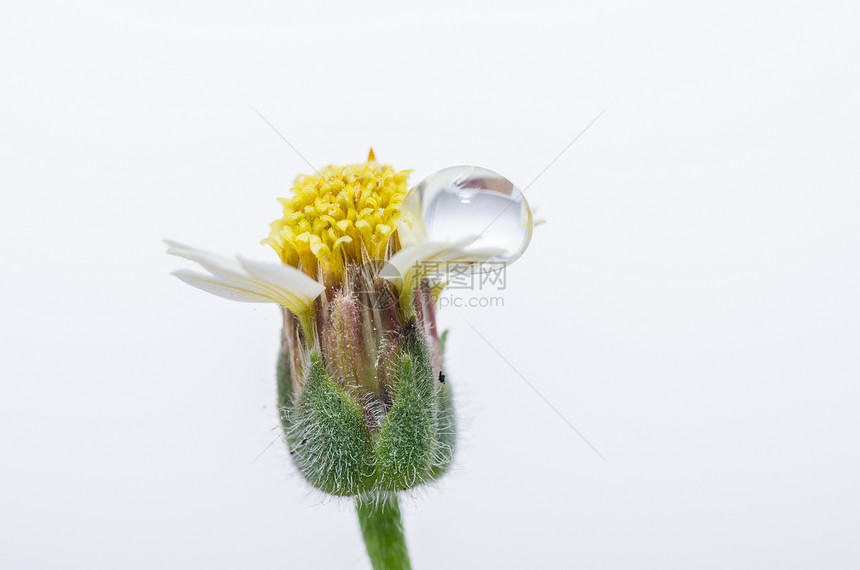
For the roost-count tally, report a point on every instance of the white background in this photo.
(691, 304)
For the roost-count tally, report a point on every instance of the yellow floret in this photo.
(339, 215)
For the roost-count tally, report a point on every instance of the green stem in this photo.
(382, 528)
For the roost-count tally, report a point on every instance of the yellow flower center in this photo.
(338, 215)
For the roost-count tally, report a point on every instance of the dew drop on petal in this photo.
(467, 201)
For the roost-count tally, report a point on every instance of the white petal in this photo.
(409, 260)
(214, 263)
(286, 277)
(216, 286)
(416, 262)
(249, 281)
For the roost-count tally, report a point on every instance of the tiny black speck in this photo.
(441, 378)
(304, 441)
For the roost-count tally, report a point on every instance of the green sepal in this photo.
(415, 443)
(404, 446)
(338, 447)
(328, 438)
(446, 433)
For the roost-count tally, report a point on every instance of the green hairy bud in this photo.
(359, 426)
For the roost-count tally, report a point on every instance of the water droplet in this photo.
(467, 201)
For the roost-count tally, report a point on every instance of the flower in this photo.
(362, 390)
(363, 395)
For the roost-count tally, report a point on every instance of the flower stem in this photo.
(382, 528)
